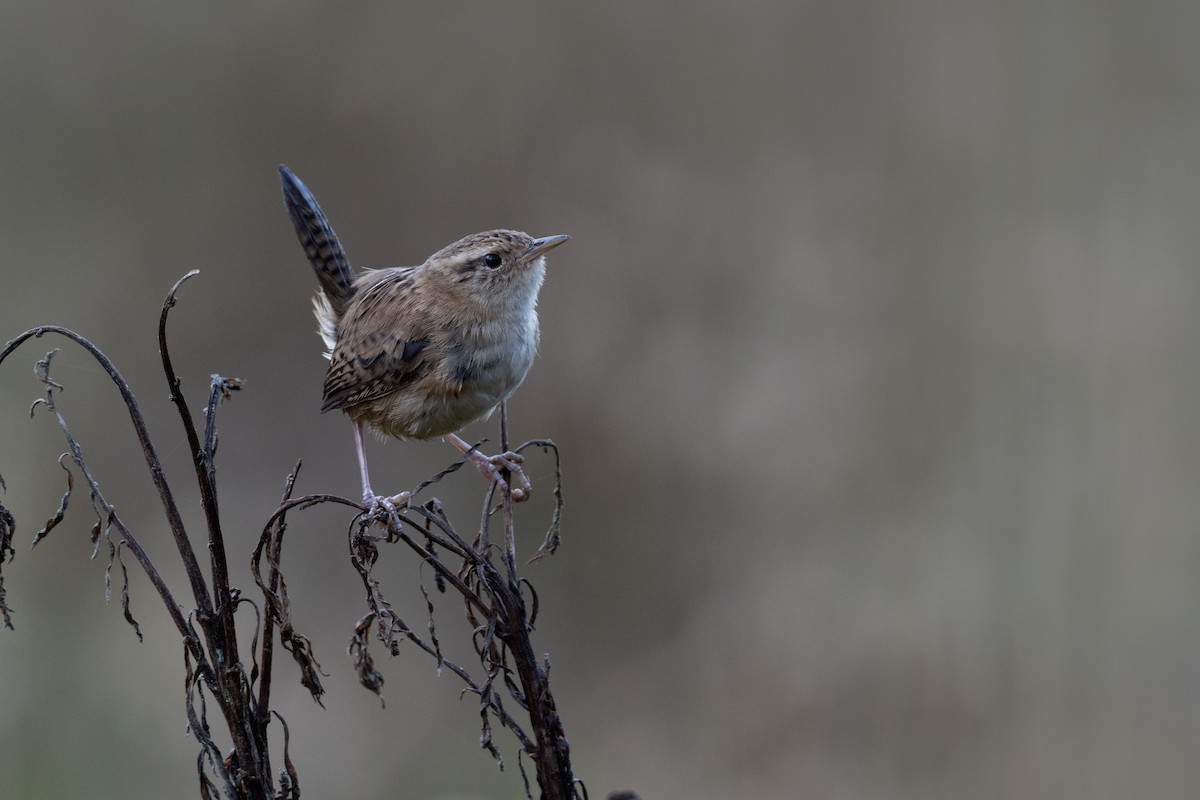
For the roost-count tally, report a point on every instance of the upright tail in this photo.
(320, 243)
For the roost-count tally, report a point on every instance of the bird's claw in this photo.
(377, 503)
(491, 468)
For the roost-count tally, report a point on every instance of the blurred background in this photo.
(872, 359)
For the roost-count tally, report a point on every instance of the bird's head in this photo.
(495, 267)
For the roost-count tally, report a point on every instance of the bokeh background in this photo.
(873, 362)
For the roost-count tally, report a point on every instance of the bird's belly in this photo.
(439, 404)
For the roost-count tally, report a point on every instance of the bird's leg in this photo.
(490, 467)
(375, 502)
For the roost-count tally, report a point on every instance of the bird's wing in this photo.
(381, 344)
(320, 243)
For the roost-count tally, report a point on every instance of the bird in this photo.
(418, 352)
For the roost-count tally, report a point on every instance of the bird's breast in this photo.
(494, 358)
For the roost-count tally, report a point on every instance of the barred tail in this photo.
(320, 243)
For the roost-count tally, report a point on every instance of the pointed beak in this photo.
(540, 246)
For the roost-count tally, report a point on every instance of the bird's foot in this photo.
(491, 467)
(377, 503)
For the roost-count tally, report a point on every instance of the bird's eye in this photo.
(492, 260)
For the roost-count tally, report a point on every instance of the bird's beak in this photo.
(540, 246)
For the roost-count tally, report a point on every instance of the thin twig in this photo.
(510, 537)
(274, 556)
(174, 520)
(220, 630)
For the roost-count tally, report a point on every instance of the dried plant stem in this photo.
(214, 650)
(553, 753)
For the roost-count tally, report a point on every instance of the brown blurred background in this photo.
(873, 362)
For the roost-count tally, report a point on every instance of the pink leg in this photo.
(490, 467)
(373, 501)
(362, 462)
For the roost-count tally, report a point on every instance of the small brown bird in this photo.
(419, 352)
